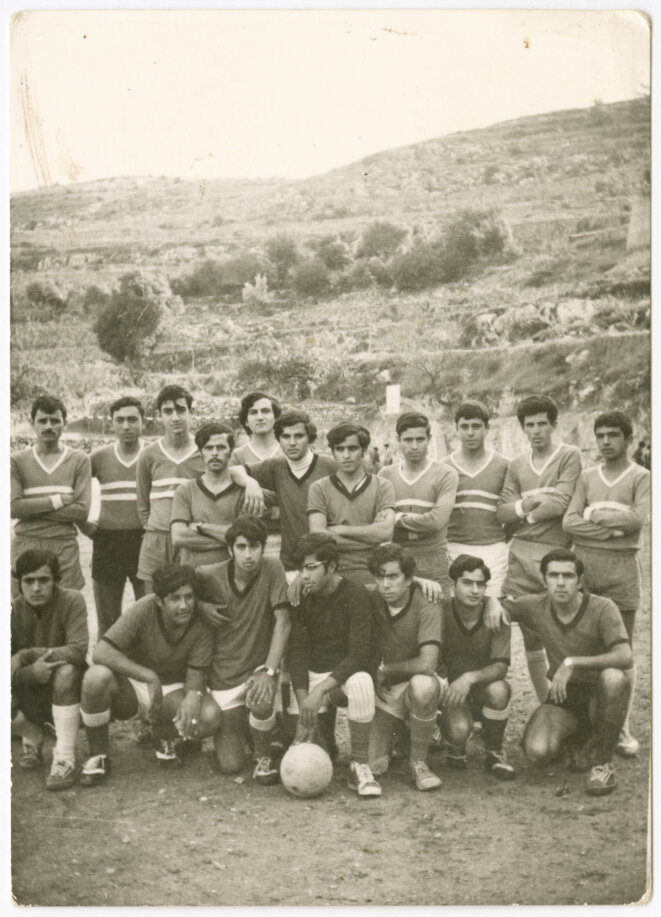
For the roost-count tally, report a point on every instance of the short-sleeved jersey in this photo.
(60, 625)
(158, 476)
(117, 484)
(70, 476)
(554, 482)
(193, 502)
(473, 519)
(358, 507)
(596, 628)
(427, 498)
(243, 644)
(399, 637)
(629, 493)
(331, 633)
(469, 649)
(292, 492)
(140, 634)
(246, 455)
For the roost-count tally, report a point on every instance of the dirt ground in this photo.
(193, 837)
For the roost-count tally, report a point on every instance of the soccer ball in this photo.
(306, 770)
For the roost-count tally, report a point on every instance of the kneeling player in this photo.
(329, 654)
(589, 654)
(251, 634)
(48, 643)
(474, 660)
(407, 637)
(152, 661)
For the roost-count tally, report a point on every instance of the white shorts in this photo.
(232, 697)
(314, 678)
(396, 701)
(142, 693)
(495, 556)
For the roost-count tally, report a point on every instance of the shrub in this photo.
(257, 292)
(311, 278)
(420, 268)
(126, 329)
(283, 255)
(381, 239)
(332, 250)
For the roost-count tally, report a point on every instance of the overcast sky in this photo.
(291, 93)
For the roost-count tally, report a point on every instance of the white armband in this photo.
(587, 513)
(518, 509)
(56, 500)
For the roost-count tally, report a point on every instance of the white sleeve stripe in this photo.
(475, 505)
(126, 498)
(119, 485)
(425, 504)
(163, 495)
(168, 482)
(478, 493)
(610, 504)
(50, 489)
(539, 490)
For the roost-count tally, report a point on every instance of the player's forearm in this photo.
(510, 512)
(619, 657)
(74, 512)
(375, 533)
(184, 537)
(574, 524)
(196, 680)
(550, 507)
(25, 507)
(496, 671)
(433, 521)
(108, 655)
(73, 653)
(239, 475)
(278, 640)
(402, 671)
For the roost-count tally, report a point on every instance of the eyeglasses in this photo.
(318, 563)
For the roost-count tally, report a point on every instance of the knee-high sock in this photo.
(493, 729)
(631, 678)
(422, 729)
(262, 733)
(359, 734)
(66, 721)
(96, 728)
(537, 668)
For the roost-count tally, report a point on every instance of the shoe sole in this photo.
(65, 785)
(426, 789)
(95, 780)
(600, 790)
(625, 752)
(372, 794)
(502, 775)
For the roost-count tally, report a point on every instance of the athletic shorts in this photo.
(115, 555)
(577, 701)
(495, 556)
(475, 702)
(395, 698)
(35, 702)
(314, 679)
(524, 577)
(65, 551)
(273, 545)
(156, 550)
(360, 575)
(612, 574)
(141, 691)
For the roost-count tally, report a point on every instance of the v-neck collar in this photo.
(547, 462)
(164, 632)
(400, 614)
(567, 625)
(468, 631)
(308, 471)
(483, 466)
(232, 581)
(411, 481)
(177, 461)
(215, 496)
(264, 458)
(351, 494)
(121, 461)
(57, 464)
(617, 480)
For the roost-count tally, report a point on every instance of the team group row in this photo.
(505, 525)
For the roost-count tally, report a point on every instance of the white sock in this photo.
(66, 720)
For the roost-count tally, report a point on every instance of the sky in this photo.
(211, 94)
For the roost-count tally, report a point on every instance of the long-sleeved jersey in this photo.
(118, 504)
(70, 476)
(157, 477)
(554, 482)
(628, 493)
(426, 500)
(474, 519)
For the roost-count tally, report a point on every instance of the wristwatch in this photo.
(568, 662)
(272, 673)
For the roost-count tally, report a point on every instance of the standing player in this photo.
(588, 652)
(162, 466)
(258, 414)
(407, 638)
(290, 475)
(152, 661)
(251, 635)
(356, 508)
(329, 655)
(424, 497)
(538, 487)
(204, 508)
(474, 527)
(474, 660)
(610, 505)
(50, 491)
(117, 533)
(49, 641)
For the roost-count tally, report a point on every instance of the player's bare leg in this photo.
(359, 689)
(608, 710)
(547, 730)
(108, 601)
(495, 713)
(423, 696)
(102, 692)
(66, 717)
(262, 727)
(456, 727)
(230, 741)
(628, 746)
(381, 741)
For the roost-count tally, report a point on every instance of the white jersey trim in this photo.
(175, 461)
(468, 474)
(617, 480)
(133, 460)
(65, 450)
(475, 505)
(547, 462)
(49, 489)
(610, 504)
(423, 503)
(119, 485)
(411, 481)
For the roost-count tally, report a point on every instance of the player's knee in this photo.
(97, 680)
(497, 695)
(210, 716)
(423, 690)
(67, 680)
(359, 689)
(539, 746)
(457, 728)
(613, 681)
(262, 711)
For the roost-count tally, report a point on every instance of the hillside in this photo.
(562, 281)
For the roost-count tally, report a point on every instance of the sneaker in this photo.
(580, 758)
(264, 773)
(62, 776)
(166, 754)
(602, 780)
(497, 764)
(361, 780)
(144, 736)
(95, 770)
(380, 765)
(423, 777)
(456, 757)
(627, 746)
(30, 758)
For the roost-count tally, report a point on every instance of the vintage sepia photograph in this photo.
(330, 450)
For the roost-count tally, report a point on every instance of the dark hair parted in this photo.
(32, 560)
(410, 420)
(127, 401)
(342, 431)
(174, 393)
(561, 555)
(321, 547)
(616, 419)
(290, 419)
(49, 404)
(390, 551)
(214, 428)
(537, 404)
(468, 563)
(472, 409)
(247, 402)
(253, 530)
(167, 578)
